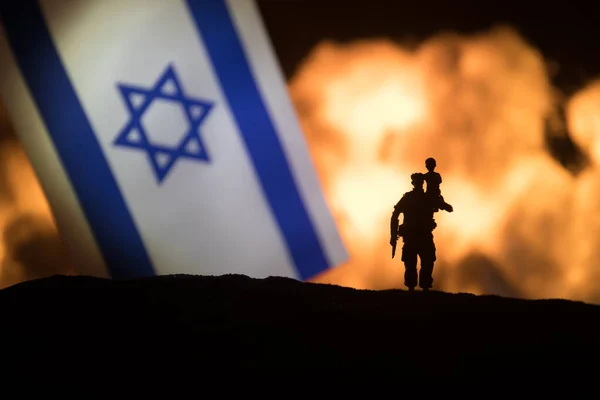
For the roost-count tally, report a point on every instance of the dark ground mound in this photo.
(76, 326)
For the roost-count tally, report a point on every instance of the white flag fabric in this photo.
(164, 137)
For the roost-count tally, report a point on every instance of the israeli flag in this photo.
(164, 137)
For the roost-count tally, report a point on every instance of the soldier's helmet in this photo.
(417, 179)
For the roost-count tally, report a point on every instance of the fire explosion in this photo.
(373, 111)
(523, 226)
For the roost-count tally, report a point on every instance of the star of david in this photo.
(168, 91)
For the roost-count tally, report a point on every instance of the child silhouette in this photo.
(434, 180)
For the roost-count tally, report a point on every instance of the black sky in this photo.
(566, 32)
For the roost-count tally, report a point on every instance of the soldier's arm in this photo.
(445, 206)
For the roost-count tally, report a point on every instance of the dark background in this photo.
(566, 33)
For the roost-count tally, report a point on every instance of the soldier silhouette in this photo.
(434, 180)
(417, 233)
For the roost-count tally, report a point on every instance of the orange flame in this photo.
(374, 111)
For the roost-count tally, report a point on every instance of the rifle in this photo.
(399, 233)
(394, 233)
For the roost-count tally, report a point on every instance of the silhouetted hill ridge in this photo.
(82, 323)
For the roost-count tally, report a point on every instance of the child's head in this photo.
(430, 164)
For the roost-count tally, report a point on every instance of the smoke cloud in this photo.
(30, 247)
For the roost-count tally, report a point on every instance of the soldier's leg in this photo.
(428, 257)
(409, 257)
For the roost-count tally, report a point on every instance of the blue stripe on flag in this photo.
(262, 142)
(74, 140)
